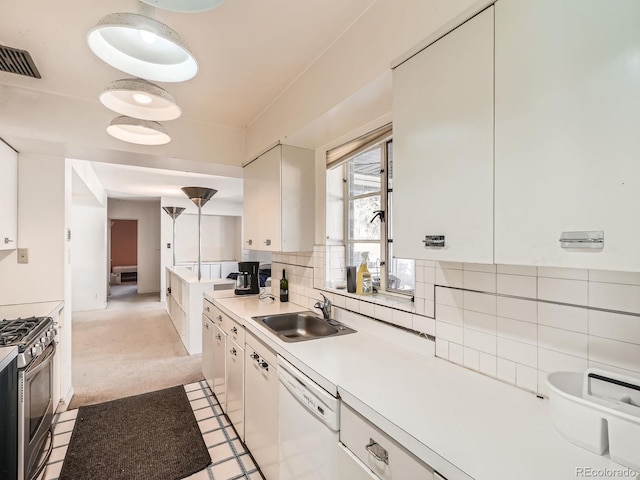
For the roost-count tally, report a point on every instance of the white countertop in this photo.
(23, 310)
(6, 355)
(485, 429)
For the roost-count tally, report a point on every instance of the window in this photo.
(368, 219)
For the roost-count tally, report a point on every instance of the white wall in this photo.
(359, 61)
(147, 212)
(215, 207)
(41, 229)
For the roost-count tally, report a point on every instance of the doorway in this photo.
(123, 254)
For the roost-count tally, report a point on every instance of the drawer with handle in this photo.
(384, 456)
(213, 313)
(234, 330)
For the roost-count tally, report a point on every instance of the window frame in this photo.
(385, 241)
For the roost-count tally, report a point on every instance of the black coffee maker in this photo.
(248, 279)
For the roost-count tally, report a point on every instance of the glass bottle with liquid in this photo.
(284, 288)
(364, 284)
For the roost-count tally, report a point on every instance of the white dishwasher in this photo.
(309, 424)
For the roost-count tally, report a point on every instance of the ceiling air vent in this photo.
(17, 61)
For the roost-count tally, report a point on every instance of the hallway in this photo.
(129, 348)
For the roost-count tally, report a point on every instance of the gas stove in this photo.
(31, 335)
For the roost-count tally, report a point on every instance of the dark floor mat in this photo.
(146, 437)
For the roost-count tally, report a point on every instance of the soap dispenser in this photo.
(364, 284)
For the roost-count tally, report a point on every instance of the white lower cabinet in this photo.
(350, 468)
(235, 386)
(219, 359)
(261, 407)
(208, 329)
(384, 456)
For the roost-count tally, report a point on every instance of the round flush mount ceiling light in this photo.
(142, 47)
(185, 6)
(138, 98)
(141, 132)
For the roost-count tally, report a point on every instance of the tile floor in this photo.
(230, 458)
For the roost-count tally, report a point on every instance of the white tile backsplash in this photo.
(522, 353)
(456, 353)
(517, 270)
(516, 285)
(615, 353)
(480, 281)
(449, 296)
(613, 296)
(506, 370)
(483, 342)
(449, 332)
(551, 361)
(480, 302)
(471, 358)
(615, 326)
(517, 330)
(517, 309)
(481, 322)
(479, 267)
(445, 313)
(566, 273)
(574, 292)
(563, 341)
(527, 378)
(607, 276)
(448, 277)
(488, 364)
(563, 316)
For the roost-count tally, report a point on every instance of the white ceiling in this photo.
(248, 51)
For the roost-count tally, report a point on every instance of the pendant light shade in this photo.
(138, 98)
(141, 132)
(185, 6)
(173, 212)
(142, 47)
(199, 195)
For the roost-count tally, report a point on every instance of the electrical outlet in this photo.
(23, 255)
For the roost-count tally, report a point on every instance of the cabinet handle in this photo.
(207, 309)
(7, 240)
(255, 356)
(233, 352)
(377, 451)
(218, 337)
(267, 242)
(234, 330)
(250, 242)
(219, 318)
(433, 241)
(264, 366)
(205, 325)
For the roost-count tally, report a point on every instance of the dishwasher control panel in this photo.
(309, 399)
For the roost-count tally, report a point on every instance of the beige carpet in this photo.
(127, 349)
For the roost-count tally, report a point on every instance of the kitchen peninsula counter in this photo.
(463, 424)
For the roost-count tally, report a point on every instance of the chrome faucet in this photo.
(325, 306)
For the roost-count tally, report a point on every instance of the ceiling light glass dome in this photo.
(142, 47)
(138, 98)
(186, 6)
(141, 132)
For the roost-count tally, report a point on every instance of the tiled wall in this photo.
(514, 323)
(519, 323)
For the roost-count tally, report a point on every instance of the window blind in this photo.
(339, 155)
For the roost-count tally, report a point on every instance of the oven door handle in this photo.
(41, 362)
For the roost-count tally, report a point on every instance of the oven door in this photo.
(36, 411)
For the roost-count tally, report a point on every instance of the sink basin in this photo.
(300, 326)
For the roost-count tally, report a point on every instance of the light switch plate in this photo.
(23, 255)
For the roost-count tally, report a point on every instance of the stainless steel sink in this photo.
(300, 326)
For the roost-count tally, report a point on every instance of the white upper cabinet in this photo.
(279, 200)
(8, 197)
(443, 146)
(567, 140)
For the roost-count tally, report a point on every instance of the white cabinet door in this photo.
(8, 197)
(261, 410)
(262, 202)
(207, 350)
(279, 200)
(443, 146)
(235, 386)
(567, 141)
(219, 366)
(350, 468)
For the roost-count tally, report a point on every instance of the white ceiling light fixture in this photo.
(185, 6)
(141, 132)
(138, 98)
(142, 47)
